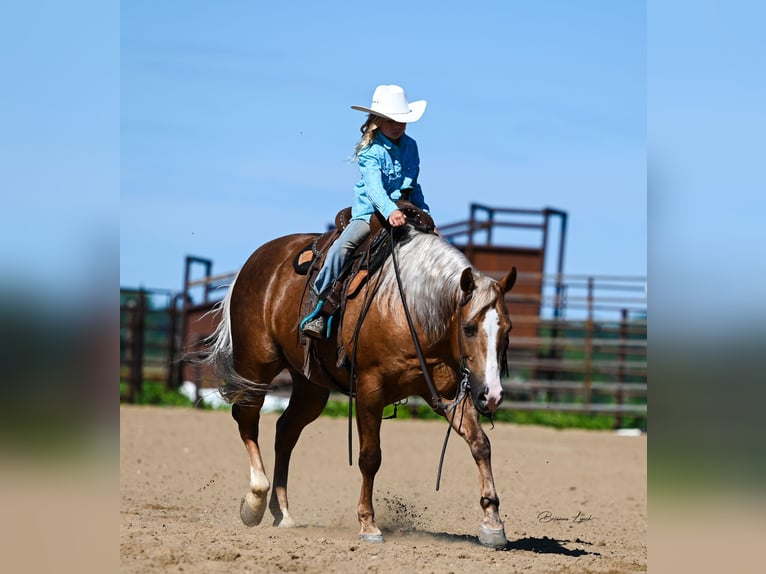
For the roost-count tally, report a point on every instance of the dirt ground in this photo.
(572, 501)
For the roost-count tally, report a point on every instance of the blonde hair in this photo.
(369, 128)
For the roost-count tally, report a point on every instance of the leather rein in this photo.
(437, 404)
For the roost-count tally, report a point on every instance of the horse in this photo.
(461, 324)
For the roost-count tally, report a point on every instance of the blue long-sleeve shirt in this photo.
(387, 169)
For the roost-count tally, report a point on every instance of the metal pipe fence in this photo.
(588, 353)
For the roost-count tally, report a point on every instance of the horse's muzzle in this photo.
(487, 402)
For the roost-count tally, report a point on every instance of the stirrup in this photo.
(315, 328)
(312, 315)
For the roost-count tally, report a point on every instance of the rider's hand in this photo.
(397, 219)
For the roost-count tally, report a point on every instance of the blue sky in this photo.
(134, 133)
(707, 183)
(235, 124)
(59, 146)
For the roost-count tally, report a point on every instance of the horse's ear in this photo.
(466, 281)
(507, 282)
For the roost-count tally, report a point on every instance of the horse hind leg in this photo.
(306, 403)
(253, 504)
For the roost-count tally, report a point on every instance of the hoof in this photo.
(285, 522)
(251, 509)
(492, 537)
(374, 538)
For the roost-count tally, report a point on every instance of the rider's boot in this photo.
(314, 324)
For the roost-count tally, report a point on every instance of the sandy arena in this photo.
(572, 501)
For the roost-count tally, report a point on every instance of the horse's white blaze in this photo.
(492, 370)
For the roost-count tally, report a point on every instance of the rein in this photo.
(437, 405)
(463, 386)
(352, 379)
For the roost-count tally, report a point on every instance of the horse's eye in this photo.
(470, 329)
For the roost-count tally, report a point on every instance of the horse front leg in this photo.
(253, 504)
(467, 424)
(369, 412)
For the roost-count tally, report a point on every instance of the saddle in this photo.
(365, 260)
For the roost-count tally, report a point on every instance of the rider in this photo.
(389, 162)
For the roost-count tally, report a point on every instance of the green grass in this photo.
(545, 418)
(154, 393)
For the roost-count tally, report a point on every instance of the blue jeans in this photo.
(356, 232)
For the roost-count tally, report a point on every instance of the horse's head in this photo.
(483, 336)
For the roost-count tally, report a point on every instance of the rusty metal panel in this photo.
(524, 299)
(200, 324)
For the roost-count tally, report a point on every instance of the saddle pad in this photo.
(303, 259)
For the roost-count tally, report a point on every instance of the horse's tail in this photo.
(218, 353)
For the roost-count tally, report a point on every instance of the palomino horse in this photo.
(461, 322)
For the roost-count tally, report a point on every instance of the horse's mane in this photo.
(430, 268)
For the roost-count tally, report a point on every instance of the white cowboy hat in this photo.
(391, 102)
